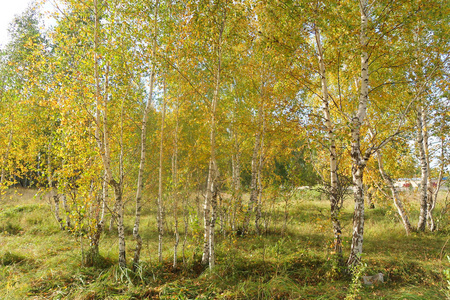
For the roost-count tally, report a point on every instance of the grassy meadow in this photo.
(291, 260)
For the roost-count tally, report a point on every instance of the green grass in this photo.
(39, 261)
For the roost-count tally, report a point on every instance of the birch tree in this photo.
(424, 172)
(394, 192)
(210, 206)
(148, 106)
(359, 160)
(334, 199)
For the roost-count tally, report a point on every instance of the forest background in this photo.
(222, 126)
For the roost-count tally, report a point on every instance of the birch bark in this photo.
(175, 187)
(236, 173)
(5, 158)
(424, 172)
(259, 175)
(333, 193)
(431, 199)
(211, 190)
(140, 182)
(359, 161)
(435, 190)
(93, 251)
(395, 196)
(53, 195)
(66, 211)
(160, 179)
(254, 173)
(102, 138)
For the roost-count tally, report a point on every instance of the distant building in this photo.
(414, 183)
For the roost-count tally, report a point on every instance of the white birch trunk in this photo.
(236, 173)
(333, 193)
(395, 196)
(5, 159)
(160, 187)
(424, 173)
(103, 140)
(120, 226)
(259, 175)
(430, 198)
(254, 174)
(369, 194)
(435, 191)
(186, 225)
(358, 160)
(93, 252)
(113, 217)
(206, 216)
(119, 188)
(57, 214)
(176, 192)
(104, 198)
(66, 211)
(140, 182)
(210, 218)
(212, 242)
(53, 195)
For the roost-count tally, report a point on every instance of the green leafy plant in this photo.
(356, 285)
(447, 277)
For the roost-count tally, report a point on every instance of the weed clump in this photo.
(94, 259)
(9, 258)
(20, 209)
(11, 229)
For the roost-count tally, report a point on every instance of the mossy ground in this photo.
(39, 261)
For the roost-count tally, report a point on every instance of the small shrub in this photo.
(9, 259)
(312, 194)
(335, 267)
